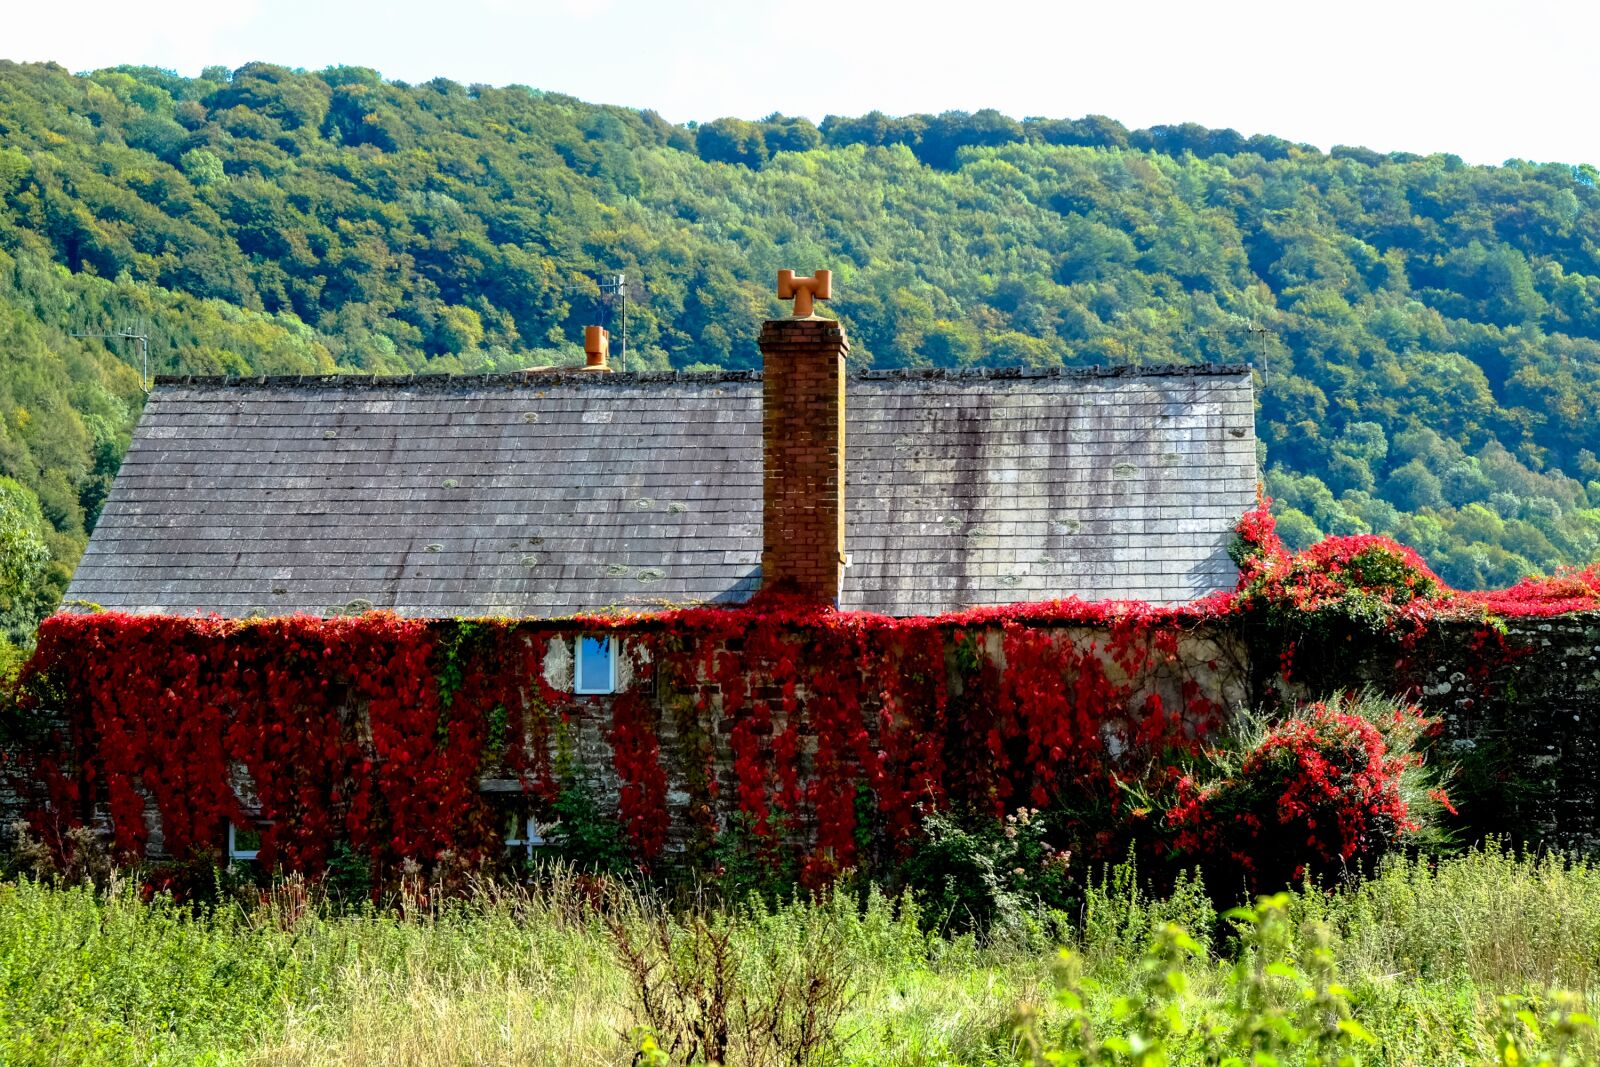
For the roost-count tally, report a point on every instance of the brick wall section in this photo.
(803, 456)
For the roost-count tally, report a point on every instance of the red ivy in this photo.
(1568, 590)
(340, 727)
(1337, 570)
(377, 729)
(824, 711)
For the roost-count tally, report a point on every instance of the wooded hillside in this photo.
(1428, 333)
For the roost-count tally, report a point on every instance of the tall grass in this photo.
(536, 977)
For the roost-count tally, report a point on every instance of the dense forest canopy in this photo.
(1427, 333)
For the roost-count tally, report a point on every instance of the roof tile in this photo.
(502, 494)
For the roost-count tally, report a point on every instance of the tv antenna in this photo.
(1260, 334)
(144, 352)
(615, 290)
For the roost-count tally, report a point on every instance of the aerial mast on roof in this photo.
(615, 289)
(1260, 334)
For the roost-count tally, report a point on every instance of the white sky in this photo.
(1487, 81)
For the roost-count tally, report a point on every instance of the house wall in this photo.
(709, 721)
(777, 717)
(697, 718)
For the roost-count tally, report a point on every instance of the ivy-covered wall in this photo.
(816, 739)
(809, 731)
(1512, 675)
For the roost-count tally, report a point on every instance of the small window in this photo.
(244, 843)
(596, 667)
(522, 834)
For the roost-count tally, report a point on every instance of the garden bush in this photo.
(1335, 786)
(1319, 792)
(975, 873)
(1360, 581)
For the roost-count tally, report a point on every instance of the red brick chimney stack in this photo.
(802, 547)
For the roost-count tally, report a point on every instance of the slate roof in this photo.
(546, 495)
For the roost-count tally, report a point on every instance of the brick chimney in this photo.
(802, 541)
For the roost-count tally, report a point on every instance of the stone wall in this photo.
(1520, 704)
(1211, 664)
(1522, 715)
(1520, 708)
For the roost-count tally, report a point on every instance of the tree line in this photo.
(1426, 333)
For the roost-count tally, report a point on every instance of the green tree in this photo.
(732, 141)
(202, 166)
(1414, 486)
(458, 330)
(24, 554)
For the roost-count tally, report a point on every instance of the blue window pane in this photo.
(594, 665)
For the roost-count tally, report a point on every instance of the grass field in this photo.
(541, 976)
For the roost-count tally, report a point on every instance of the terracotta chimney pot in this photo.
(596, 349)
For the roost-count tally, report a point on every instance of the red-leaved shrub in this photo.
(1319, 792)
(1363, 578)
(1569, 589)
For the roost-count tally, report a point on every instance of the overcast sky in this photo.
(1487, 81)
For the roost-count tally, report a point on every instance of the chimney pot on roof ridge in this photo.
(805, 290)
(596, 348)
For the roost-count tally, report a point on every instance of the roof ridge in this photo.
(544, 378)
(1153, 370)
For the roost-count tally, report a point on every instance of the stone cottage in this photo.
(544, 496)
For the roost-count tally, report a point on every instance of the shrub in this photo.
(1283, 1004)
(1569, 589)
(585, 835)
(1366, 579)
(978, 874)
(11, 658)
(746, 862)
(703, 997)
(1119, 916)
(349, 875)
(1280, 1002)
(1331, 787)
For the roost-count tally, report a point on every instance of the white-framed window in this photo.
(594, 664)
(522, 834)
(244, 842)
